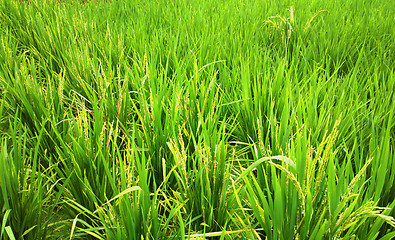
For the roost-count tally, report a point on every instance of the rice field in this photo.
(236, 119)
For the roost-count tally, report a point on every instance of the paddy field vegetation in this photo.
(212, 119)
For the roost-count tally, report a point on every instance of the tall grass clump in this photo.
(197, 120)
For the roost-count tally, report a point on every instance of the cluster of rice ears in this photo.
(208, 119)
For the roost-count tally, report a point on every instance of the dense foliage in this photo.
(236, 119)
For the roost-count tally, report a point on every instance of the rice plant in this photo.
(233, 119)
